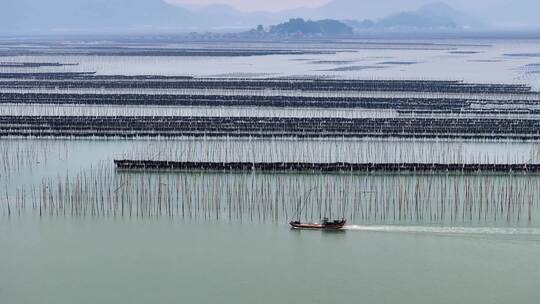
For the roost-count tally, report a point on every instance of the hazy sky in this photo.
(42, 15)
(256, 5)
(500, 13)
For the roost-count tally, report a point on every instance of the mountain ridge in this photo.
(61, 16)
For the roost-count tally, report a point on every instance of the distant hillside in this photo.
(496, 13)
(300, 26)
(105, 16)
(444, 13)
(89, 15)
(21, 17)
(433, 16)
(416, 20)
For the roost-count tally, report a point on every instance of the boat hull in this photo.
(317, 226)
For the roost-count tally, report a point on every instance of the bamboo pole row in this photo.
(368, 198)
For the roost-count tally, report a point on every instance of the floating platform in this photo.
(410, 103)
(323, 167)
(268, 127)
(90, 80)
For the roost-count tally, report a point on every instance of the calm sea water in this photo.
(113, 259)
(198, 259)
(167, 261)
(472, 60)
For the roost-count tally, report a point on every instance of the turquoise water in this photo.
(233, 244)
(168, 261)
(411, 239)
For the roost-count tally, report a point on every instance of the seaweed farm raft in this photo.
(158, 168)
(325, 167)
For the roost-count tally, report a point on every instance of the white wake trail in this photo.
(446, 230)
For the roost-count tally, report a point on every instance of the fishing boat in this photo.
(326, 224)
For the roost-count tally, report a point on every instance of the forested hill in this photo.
(308, 27)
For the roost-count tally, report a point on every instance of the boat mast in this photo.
(299, 210)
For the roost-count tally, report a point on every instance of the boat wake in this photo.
(446, 230)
